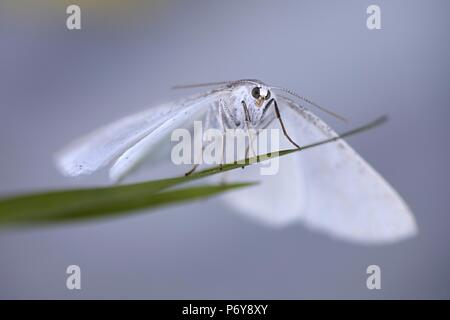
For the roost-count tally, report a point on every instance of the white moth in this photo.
(328, 188)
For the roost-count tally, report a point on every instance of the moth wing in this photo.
(97, 149)
(329, 188)
(346, 197)
(141, 151)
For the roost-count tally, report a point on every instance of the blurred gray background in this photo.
(57, 84)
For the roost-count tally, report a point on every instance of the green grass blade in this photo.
(69, 206)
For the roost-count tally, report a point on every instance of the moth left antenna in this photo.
(218, 83)
(199, 85)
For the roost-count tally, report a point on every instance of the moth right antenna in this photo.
(293, 93)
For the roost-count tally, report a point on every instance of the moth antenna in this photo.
(291, 92)
(218, 83)
(199, 85)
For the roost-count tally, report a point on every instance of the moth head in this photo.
(260, 94)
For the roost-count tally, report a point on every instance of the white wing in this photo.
(337, 191)
(138, 132)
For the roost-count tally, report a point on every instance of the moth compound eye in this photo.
(255, 93)
(267, 95)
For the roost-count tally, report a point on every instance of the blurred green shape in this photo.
(90, 203)
(66, 206)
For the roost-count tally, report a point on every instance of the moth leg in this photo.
(247, 125)
(246, 152)
(224, 174)
(225, 116)
(247, 120)
(207, 126)
(277, 113)
(195, 166)
(224, 135)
